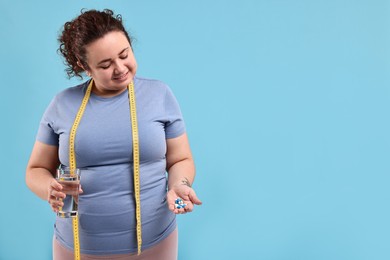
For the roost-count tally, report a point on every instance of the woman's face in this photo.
(111, 64)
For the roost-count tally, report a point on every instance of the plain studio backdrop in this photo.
(286, 104)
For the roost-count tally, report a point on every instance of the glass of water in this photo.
(70, 181)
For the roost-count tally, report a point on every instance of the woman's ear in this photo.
(81, 66)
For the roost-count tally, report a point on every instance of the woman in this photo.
(97, 43)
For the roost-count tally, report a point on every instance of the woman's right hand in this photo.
(57, 193)
(55, 196)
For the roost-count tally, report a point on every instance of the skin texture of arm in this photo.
(181, 174)
(40, 174)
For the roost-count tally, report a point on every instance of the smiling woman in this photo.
(100, 46)
(127, 204)
(111, 64)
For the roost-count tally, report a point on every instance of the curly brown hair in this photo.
(84, 29)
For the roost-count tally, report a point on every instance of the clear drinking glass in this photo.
(70, 181)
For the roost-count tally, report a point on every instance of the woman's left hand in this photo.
(187, 194)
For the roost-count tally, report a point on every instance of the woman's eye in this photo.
(124, 57)
(105, 67)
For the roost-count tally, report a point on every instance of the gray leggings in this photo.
(165, 250)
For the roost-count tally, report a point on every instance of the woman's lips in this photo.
(121, 77)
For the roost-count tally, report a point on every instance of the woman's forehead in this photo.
(109, 46)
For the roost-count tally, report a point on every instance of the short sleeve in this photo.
(46, 133)
(174, 126)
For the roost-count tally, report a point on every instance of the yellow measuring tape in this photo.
(134, 129)
(72, 163)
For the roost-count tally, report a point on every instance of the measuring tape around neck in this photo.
(72, 163)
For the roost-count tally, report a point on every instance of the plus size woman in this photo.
(96, 43)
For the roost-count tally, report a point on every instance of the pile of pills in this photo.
(179, 203)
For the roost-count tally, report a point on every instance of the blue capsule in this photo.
(179, 203)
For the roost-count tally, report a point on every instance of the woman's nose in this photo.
(119, 68)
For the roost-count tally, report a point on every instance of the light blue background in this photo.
(286, 105)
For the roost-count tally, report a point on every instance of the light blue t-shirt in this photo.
(103, 148)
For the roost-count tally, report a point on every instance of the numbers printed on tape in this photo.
(134, 128)
(72, 164)
(75, 222)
